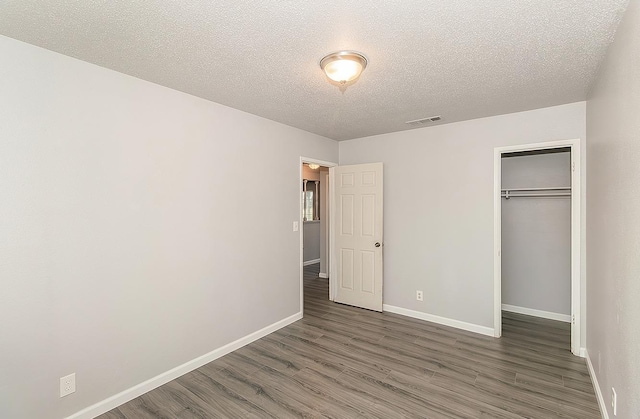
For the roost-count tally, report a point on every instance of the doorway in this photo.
(314, 221)
(314, 197)
(516, 194)
(352, 225)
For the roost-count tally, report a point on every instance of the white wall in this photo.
(613, 132)
(128, 242)
(536, 235)
(438, 209)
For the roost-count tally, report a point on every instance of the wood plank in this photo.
(344, 362)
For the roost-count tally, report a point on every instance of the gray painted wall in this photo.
(311, 240)
(311, 229)
(613, 128)
(128, 242)
(438, 208)
(536, 235)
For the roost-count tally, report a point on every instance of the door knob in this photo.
(377, 244)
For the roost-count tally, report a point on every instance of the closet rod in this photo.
(545, 195)
(554, 188)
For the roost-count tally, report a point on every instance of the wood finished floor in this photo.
(343, 362)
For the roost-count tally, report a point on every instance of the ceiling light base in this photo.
(343, 66)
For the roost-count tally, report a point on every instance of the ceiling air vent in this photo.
(424, 121)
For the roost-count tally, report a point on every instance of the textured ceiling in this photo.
(460, 59)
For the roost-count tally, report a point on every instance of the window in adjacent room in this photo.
(310, 200)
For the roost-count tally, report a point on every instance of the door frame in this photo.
(577, 255)
(324, 163)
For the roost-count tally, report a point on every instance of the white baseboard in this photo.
(601, 404)
(537, 313)
(323, 275)
(146, 386)
(483, 330)
(311, 262)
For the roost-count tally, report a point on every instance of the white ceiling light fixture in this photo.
(313, 166)
(343, 66)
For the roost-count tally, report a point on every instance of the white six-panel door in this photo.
(357, 250)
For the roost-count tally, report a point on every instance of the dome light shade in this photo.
(343, 66)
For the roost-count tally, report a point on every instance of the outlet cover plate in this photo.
(68, 384)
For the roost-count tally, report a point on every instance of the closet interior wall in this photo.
(536, 234)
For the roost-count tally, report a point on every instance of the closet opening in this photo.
(537, 264)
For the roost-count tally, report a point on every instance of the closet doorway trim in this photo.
(577, 280)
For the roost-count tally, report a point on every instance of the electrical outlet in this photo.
(419, 295)
(614, 401)
(68, 385)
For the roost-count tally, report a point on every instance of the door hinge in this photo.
(573, 166)
(573, 319)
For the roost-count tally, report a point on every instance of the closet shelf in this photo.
(536, 192)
